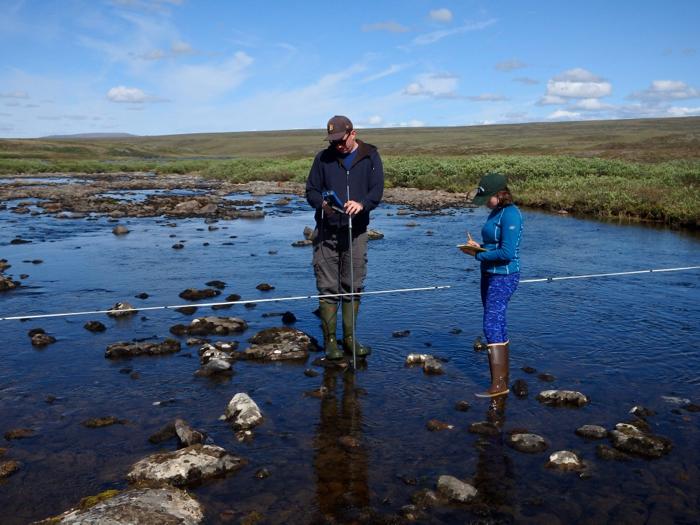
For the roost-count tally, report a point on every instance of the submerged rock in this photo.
(592, 432)
(131, 349)
(281, 343)
(484, 428)
(610, 454)
(219, 285)
(138, 506)
(629, 438)
(374, 235)
(462, 406)
(415, 359)
(455, 489)
(520, 388)
(18, 433)
(401, 333)
(192, 294)
(265, 287)
(565, 460)
(122, 309)
(7, 468)
(95, 326)
(214, 360)
(641, 411)
(435, 425)
(302, 243)
(562, 398)
(187, 466)
(186, 434)
(527, 442)
(243, 412)
(479, 345)
(42, 339)
(216, 326)
(100, 422)
(432, 366)
(6, 283)
(120, 230)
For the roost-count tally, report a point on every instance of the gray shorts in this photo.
(332, 262)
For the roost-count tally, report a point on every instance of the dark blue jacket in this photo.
(365, 177)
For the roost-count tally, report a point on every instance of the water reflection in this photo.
(340, 460)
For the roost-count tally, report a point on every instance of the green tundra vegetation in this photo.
(637, 169)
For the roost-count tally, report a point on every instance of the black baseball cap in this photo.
(337, 127)
(489, 185)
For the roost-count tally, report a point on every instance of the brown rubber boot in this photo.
(498, 363)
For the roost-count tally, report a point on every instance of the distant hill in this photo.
(90, 136)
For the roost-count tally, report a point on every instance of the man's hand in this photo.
(327, 209)
(353, 208)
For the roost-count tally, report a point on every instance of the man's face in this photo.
(345, 144)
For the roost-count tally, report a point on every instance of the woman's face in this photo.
(492, 202)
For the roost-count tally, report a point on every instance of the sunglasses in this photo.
(340, 142)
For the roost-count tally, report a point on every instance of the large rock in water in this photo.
(131, 349)
(216, 326)
(143, 506)
(122, 309)
(278, 344)
(455, 489)
(7, 284)
(629, 438)
(243, 412)
(187, 466)
(569, 398)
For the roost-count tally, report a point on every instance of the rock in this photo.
(192, 294)
(7, 468)
(456, 331)
(562, 398)
(262, 473)
(349, 442)
(692, 407)
(484, 428)
(528, 370)
(122, 309)
(479, 345)
(120, 230)
(641, 411)
(527, 442)
(19, 433)
(547, 378)
(138, 506)
(462, 406)
(414, 359)
(374, 235)
(308, 233)
(34, 331)
(265, 287)
(130, 349)
(187, 466)
(610, 454)
(178, 246)
(103, 422)
(435, 425)
(215, 326)
(628, 438)
(302, 244)
(219, 285)
(310, 372)
(142, 295)
(164, 434)
(243, 412)
(41, 340)
(432, 366)
(186, 434)
(565, 460)
(592, 432)
(289, 318)
(278, 344)
(455, 489)
(7, 283)
(520, 388)
(95, 326)
(19, 240)
(401, 333)
(214, 361)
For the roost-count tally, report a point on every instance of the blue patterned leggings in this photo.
(496, 291)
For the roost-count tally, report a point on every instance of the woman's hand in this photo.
(469, 249)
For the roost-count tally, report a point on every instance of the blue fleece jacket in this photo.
(365, 177)
(501, 234)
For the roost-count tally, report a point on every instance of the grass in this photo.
(641, 169)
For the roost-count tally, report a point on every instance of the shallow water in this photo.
(622, 341)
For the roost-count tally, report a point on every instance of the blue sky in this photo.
(153, 67)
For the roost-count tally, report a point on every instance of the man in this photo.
(353, 170)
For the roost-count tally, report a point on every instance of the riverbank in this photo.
(665, 193)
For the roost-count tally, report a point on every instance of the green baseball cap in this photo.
(489, 185)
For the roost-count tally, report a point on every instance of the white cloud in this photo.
(682, 112)
(487, 97)
(123, 94)
(414, 123)
(562, 114)
(666, 90)
(436, 85)
(576, 83)
(391, 70)
(14, 94)
(577, 74)
(441, 15)
(181, 48)
(549, 100)
(203, 81)
(510, 65)
(591, 104)
(431, 38)
(374, 120)
(390, 26)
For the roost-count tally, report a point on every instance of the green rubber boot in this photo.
(348, 314)
(329, 315)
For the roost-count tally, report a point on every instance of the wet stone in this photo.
(527, 442)
(18, 433)
(520, 388)
(425, 499)
(692, 407)
(565, 460)
(528, 370)
(178, 246)
(131, 349)
(120, 230)
(216, 326)
(349, 442)
(186, 310)
(243, 412)
(308, 232)
(479, 345)
(219, 285)
(401, 333)
(187, 466)
(568, 398)
(34, 331)
(310, 372)
(414, 359)
(192, 294)
(164, 434)
(484, 428)
(279, 344)
(186, 435)
(302, 243)
(374, 235)
(142, 295)
(432, 366)
(632, 440)
(7, 283)
(265, 287)
(262, 473)
(41, 340)
(592, 432)
(95, 326)
(462, 406)
(19, 240)
(100, 422)
(641, 411)
(289, 318)
(455, 489)
(435, 425)
(610, 454)
(7, 468)
(547, 378)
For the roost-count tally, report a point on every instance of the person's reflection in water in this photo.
(494, 469)
(341, 458)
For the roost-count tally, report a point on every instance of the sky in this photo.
(155, 67)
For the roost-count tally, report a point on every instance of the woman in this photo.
(499, 256)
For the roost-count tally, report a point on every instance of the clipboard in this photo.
(475, 249)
